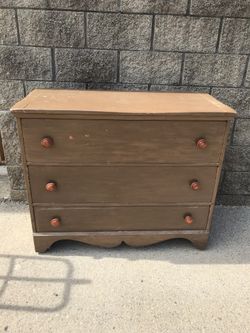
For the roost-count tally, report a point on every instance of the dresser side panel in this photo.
(26, 173)
(218, 174)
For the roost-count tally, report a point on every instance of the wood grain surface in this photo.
(120, 218)
(122, 165)
(70, 101)
(107, 141)
(125, 185)
(43, 241)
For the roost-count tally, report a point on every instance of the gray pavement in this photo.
(171, 287)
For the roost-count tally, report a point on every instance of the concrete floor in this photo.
(171, 287)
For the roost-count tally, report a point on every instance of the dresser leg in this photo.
(42, 244)
(201, 242)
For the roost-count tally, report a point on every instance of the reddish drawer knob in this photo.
(188, 219)
(50, 187)
(47, 142)
(55, 222)
(195, 186)
(201, 143)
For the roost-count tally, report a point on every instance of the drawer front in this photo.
(121, 184)
(113, 141)
(120, 218)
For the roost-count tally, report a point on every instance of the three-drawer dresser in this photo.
(107, 167)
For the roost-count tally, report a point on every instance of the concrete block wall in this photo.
(155, 45)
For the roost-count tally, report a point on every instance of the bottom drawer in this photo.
(121, 218)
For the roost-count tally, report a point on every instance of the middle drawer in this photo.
(121, 184)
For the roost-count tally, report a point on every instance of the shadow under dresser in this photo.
(106, 167)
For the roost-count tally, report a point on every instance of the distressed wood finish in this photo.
(110, 167)
(111, 141)
(121, 184)
(121, 218)
(59, 101)
(43, 241)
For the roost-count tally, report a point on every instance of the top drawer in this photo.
(122, 141)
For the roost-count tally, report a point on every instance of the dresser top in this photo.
(61, 101)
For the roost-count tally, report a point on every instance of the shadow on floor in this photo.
(32, 284)
(55, 284)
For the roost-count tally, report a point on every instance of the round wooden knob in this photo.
(195, 186)
(50, 187)
(55, 222)
(188, 219)
(47, 142)
(201, 143)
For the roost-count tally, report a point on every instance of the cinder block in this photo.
(235, 36)
(8, 29)
(233, 200)
(51, 28)
(186, 33)
(95, 5)
(237, 98)
(237, 158)
(18, 195)
(155, 6)
(234, 8)
(10, 138)
(236, 183)
(86, 65)
(16, 177)
(230, 132)
(114, 31)
(162, 87)
(10, 92)
(24, 3)
(30, 85)
(25, 63)
(241, 132)
(214, 69)
(247, 80)
(150, 67)
(118, 86)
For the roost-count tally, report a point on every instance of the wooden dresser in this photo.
(110, 167)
